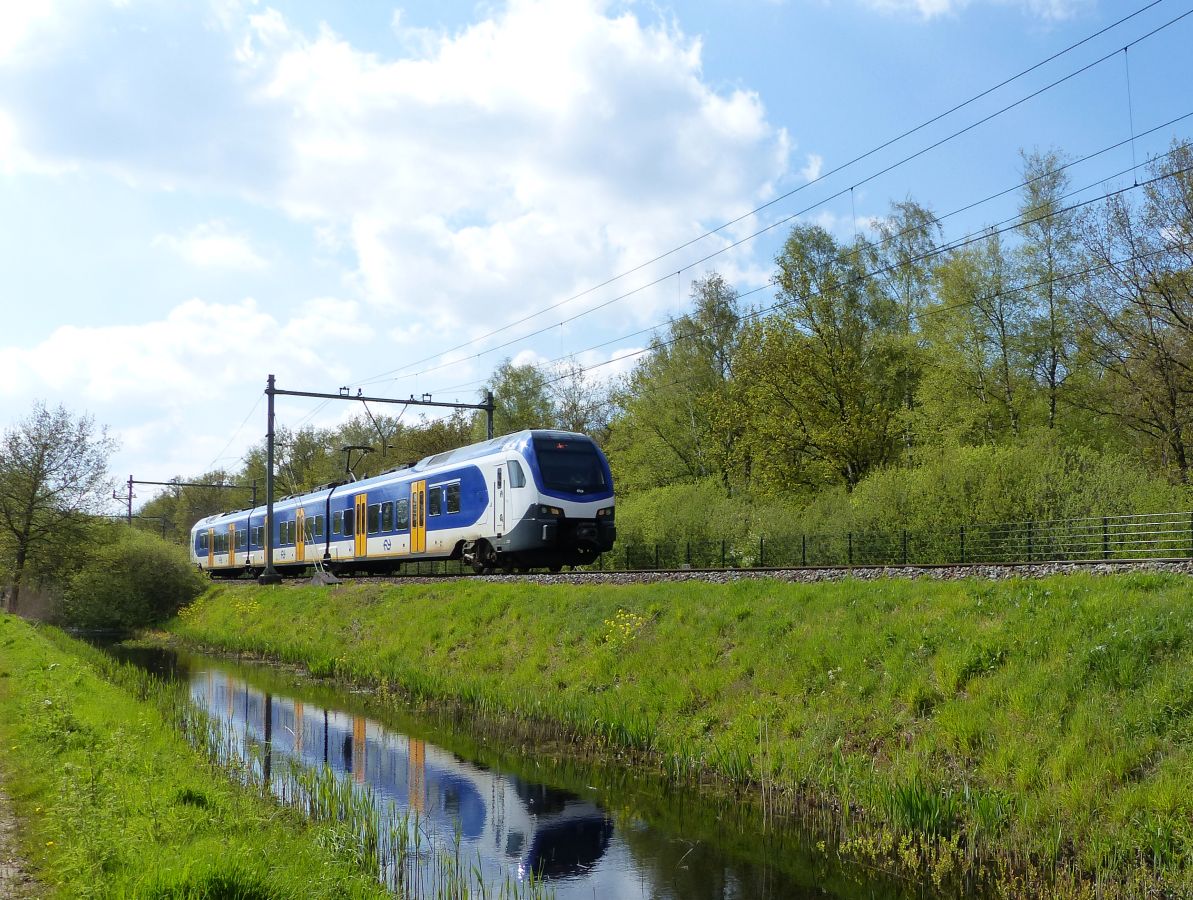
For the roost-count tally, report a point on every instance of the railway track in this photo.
(808, 574)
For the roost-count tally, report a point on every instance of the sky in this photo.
(195, 195)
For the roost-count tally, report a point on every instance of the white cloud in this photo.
(812, 168)
(212, 246)
(198, 351)
(21, 22)
(461, 179)
(484, 171)
(1049, 10)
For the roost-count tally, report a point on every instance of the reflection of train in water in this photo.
(515, 825)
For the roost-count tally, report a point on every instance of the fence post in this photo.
(762, 551)
(1105, 538)
(803, 550)
(962, 545)
(1030, 528)
(850, 537)
(1191, 534)
(904, 546)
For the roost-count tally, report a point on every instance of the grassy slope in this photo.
(115, 804)
(1042, 716)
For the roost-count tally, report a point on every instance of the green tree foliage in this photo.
(1138, 313)
(530, 396)
(522, 399)
(1048, 254)
(53, 473)
(136, 579)
(978, 385)
(675, 422)
(824, 378)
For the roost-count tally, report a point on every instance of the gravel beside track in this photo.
(811, 575)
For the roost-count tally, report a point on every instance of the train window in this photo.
(203, 542)
(349, 522)
(434, 501)
(318, 526)
(453, 498)
(403, 516)
(517, 476)
(293, 531)
(337, 522)
(260, 536)
(308, 530)
(569, 465)
(387, 516)
(374, 518)
(242, 540)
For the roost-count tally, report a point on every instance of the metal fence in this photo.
(1157, 536)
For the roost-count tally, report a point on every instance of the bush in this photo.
(134, 581)
(1038, 480)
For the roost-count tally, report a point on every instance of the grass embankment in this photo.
(114, 803)
(1045, 722)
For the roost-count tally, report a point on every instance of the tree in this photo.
(53, 471)
(1049, 252)
(1138, 311)
(821, 381)
(980, 375)
(579, 403)
(675, 422)
(522, 399)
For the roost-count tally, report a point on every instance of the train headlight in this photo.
(606, 513)
(554, 511)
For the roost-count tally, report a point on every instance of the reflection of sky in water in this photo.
(513, 826)
(508, 826)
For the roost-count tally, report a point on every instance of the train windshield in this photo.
(570, 465)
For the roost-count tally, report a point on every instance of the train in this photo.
(533, 499)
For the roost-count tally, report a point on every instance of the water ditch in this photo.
(454, 811)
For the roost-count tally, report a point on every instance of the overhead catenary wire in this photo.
(236, 433)
(1002, 226)
(938, 251)
(401, 371)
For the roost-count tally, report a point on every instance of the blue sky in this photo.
(195, 195)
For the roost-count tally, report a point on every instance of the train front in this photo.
(572, 522)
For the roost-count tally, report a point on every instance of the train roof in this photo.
(484, 448)
(513, 441)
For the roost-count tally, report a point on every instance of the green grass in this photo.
(1046, 723)
(114, 803)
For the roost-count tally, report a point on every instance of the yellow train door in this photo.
(211, 548)
(231, 545)
(418, 517)
(300, 542)
(362, 524)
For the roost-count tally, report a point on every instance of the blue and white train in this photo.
(534, 499)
